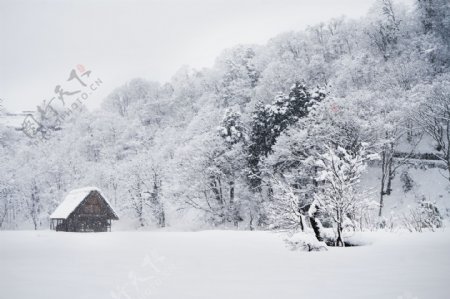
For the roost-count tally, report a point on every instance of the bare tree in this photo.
(433, 117)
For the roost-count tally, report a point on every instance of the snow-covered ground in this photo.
(218, 264)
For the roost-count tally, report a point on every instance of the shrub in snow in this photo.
(407, 181)
(424, 216)
(305, 242)
(389, 222)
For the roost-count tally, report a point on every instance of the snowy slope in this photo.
(218, 264)
(427, 183)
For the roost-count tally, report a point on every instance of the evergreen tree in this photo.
(232, 129)
(269, 121)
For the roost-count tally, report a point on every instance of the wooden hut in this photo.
(83, 210)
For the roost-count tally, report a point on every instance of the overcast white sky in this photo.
(41, 41)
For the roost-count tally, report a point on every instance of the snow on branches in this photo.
(339, 175)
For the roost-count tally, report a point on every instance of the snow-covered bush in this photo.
(305, 242)
(389, 222)
(407, 181)
(424, 216)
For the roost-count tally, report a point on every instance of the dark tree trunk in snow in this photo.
(387, 173)
(302, 227)
(162, 220)
(315, 222)
(233, 211)
(382, 188)
(339, 241)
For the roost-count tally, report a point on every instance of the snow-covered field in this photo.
(218, 264)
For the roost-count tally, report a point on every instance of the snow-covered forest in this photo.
(341, 126)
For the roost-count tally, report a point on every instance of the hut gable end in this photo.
(94, 205)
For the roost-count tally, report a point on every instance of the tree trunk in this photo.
(162, 219)
(447, 154)
(383, 178)
(302, 227)
(339, 241)
(232, 208)
(315, 222)
(35, 223)
(390, 172)
(215, 188)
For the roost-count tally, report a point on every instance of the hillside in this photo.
(347, 118)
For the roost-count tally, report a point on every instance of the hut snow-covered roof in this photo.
(73, 199)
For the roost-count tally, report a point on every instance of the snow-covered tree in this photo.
(339, 175)
(269, 121)
(232, 129)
